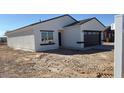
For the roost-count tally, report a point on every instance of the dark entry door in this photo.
(59, 37)
(92, 38)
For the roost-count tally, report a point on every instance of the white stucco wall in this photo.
(70, 36)
(119, 47)
(23, 39)
(55, 25)
(92, 25)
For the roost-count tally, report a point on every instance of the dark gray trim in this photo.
(72, 24)
(71, 17)
(79, 22)
(80, 42)
(91, 30)
(47, 44)
(84, 21)
(100, 22)
(43, 22)
(96, 19)
(46, 31)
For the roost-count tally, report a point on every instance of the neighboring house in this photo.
(108, 34)
(3, 39)
(63, 31)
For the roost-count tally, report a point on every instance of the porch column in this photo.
(119, 46)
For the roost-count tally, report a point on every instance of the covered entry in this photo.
(92, 38)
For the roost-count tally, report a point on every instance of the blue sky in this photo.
(14, 21)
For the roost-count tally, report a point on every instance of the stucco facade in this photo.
(29, 37)
(23, 39)
(70, 36)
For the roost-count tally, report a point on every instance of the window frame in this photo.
(47, 40)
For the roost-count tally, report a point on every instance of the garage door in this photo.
(92, 38)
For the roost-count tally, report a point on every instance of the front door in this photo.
(59, 37)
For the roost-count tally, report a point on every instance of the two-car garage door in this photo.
(92, 38)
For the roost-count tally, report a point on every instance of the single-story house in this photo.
(63, 31)
(3, 39)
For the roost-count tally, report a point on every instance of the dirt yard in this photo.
(57, 63)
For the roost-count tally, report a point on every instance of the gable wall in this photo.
(93, 25)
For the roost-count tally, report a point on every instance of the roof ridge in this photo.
(43, 21)
(87, 18)
(85, 21)
(81, 21)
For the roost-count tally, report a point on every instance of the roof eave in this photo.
(43, 22)
(97, 20)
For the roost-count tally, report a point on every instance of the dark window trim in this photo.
(46, 31)
(92, 30)
(48, 44)
(80, 42)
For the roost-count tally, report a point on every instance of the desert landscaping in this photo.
(60, 63)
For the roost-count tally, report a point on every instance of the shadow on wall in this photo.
(103, 48)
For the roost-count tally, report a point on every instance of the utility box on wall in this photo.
(119, 47)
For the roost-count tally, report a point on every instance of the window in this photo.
(44, 36)
(47, 37)
(50, 36)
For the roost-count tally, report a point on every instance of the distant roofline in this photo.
(43, 22)
(75, 23)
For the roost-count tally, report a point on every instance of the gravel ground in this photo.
(61, 63)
